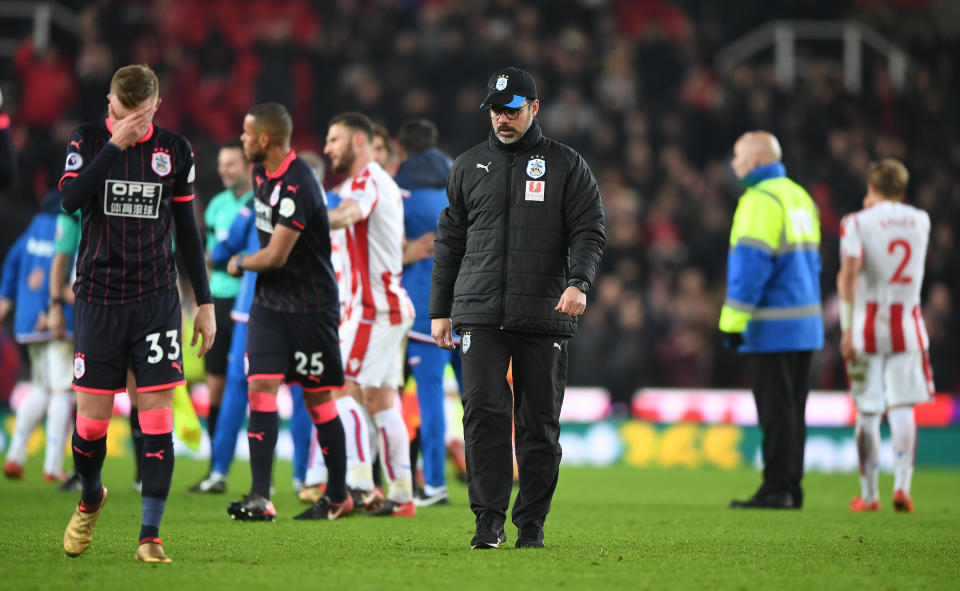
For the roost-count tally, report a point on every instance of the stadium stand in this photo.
(632, 85)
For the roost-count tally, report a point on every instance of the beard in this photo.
(256, 157)
(345, 161)
(518, 132)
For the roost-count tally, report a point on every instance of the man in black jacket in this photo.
(515, 254)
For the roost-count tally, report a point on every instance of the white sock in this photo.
(373, 437)
(867, 436)
(58, 422)
(434, 490)
(316, 467)
(357, 432)
(395, 454)
(29, 413)
(903, 435)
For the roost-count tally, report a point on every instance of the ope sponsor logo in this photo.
(135, 199)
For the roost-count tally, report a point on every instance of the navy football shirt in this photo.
(292, 197)
(126, 252)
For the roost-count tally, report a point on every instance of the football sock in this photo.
(58, 422)
(89, 450)
(395, 453)
(157, 473)
(332, 441)
(357, 437)
(212, 415)
(262, 431)
(375, 461)
(903, 435)
(157, 463)
(316, 468)
(29, 414)
(867, 436)
(303, 434)
(137, 435)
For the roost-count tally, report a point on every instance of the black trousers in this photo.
(489, 413)
(781, 383)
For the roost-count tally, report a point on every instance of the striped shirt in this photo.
(291, 196)
(126, 247)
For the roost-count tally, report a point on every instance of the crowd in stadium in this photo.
(631, 85)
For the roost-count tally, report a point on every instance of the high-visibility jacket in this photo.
(773, 270)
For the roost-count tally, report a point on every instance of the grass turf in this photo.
(620, 528)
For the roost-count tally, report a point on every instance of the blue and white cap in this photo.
(510, 87)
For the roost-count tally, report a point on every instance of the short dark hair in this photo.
(134, 84)
(274, 119)
(889, 177)
(356, 121)
(381, 131)
(234, 144)
(417, 135)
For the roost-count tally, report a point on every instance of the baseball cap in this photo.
(510, 87)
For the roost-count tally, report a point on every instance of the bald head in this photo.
(753, 149)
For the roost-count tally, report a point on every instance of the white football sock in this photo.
(373, 437)
(903, 435)
(58, 424)
(316, 467)
(29, 413)
(867, 436)
(395, 454)
(357, 433)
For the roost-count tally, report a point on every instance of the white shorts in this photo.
(882, 381)
(372, 353)
(51, 365)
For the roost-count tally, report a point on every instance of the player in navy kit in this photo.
(292, 332)
(130, 178)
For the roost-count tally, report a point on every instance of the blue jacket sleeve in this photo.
(236, 240)
(11, 269)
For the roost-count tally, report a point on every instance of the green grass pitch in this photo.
(610, 528)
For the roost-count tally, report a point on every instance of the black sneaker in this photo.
(530, 536)
(72, 483)
(783, 500)
(253, 507)
(489, 534)
(327, 509)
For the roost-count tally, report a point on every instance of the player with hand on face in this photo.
(130, 179)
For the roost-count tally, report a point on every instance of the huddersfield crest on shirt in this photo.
(536, 168)
(160, 163)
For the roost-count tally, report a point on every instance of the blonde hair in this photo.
(134, 84)
(889, 178)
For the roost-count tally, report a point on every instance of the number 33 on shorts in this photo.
(156, 350)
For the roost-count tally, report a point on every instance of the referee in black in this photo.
(515, 254)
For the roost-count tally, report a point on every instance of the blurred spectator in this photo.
(628, 84)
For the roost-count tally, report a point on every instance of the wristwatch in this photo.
(579, 284)
(54, 301)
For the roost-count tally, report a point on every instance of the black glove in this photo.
(732, 340)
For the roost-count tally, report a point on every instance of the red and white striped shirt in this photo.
(342, 253)
(891, 240)
(378, 245)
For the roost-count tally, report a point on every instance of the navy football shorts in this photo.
(299, 349)
(144, 336)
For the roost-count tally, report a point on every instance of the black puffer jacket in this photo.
(523, 220)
